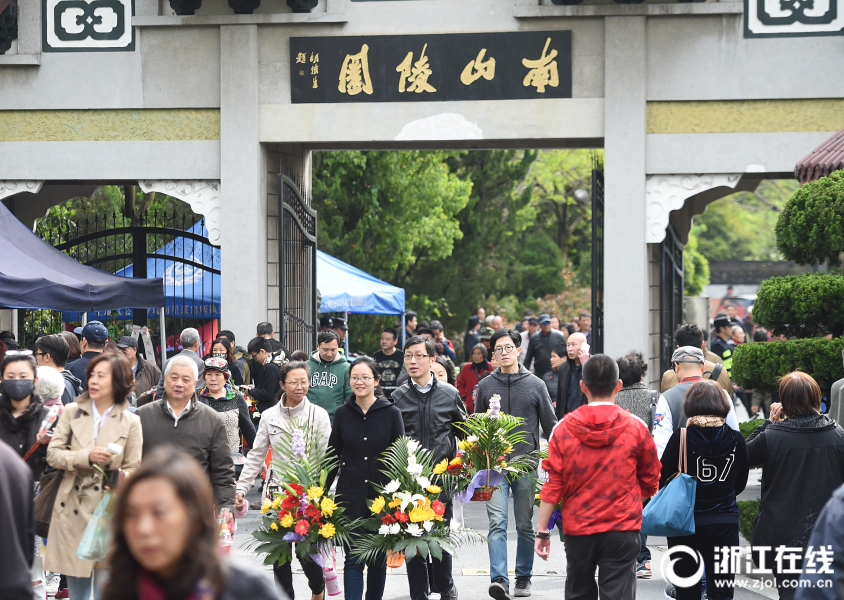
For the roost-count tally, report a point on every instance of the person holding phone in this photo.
(569, 395)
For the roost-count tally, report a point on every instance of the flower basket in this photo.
(395, 559)
(483, 493)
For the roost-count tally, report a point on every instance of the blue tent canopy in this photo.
(190, 291)
(345, 288)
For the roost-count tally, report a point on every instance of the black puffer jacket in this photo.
(429, 418)
(802, 462)
(20, 433)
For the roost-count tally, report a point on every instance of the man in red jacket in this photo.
(601, 463)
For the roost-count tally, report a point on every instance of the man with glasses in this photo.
(524, 395)
(52, 351)
(429, 409)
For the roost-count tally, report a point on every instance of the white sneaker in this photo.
(52, 583)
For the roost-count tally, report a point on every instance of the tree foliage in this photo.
(759, 366)
(802, 306)
(811, 226)
(741, 226)
(695, 268)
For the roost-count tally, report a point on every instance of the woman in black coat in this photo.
(22, 410)
(802, 458)
(364, 427)
(717, 458)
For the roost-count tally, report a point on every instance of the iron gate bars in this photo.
(597, 256)
(297, 245)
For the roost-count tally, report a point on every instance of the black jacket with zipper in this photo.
(429, 418)
(802, 462)
(565, 403)
(358, 439)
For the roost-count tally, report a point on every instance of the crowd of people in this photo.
(81, 414)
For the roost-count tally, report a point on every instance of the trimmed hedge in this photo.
(759, 366)
(811, 226)
(747, 510)
(748, 427)
(807, 305)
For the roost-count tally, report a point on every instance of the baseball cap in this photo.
(127, 341)
(339, 322)
(721, 319)
(544, 318)
(486, 333)
(535, 321)
(94, 331)
(687, 354)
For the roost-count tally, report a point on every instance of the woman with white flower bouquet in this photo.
(293, 412)
(365, 426)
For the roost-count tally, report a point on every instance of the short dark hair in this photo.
(688, 335)
(800, 394)
(437, 325)
(631, 368)
(264, 328)
(425, 331)
(600, 375)
(122, 380)
(393, 331)
(560, 350)
(95, 345)
(585, 314)
(760, 335)
(415, 340)
(55, 346)
(705, 398)
(328, 336)
(370, 363)
(570, 328)
(729, 305)
(299, 355)
(409, 314)
(506, 332)
(257, 344)
(291, 366)
(226, 334)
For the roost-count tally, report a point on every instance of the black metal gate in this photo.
(670, 295)
(297, 244)
(183, 256)
(597, 256)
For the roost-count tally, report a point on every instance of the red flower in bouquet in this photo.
(296, 488)
(312, 511)
(289, 503)
(388, 519)
(439, 507)
(302, 527)
(401, 517)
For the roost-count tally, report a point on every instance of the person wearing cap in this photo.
(539, 348)
(720, 345)
(326, 323)
(94, 338)
(219, 394)
(689, 365)
(691, 335)
(145, 372)
(338, 324)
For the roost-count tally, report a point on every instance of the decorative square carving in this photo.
(793, 18)
(88, 25)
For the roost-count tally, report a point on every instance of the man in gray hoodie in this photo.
(522, 394)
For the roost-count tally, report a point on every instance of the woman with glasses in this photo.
(293, 410)
(364, 427)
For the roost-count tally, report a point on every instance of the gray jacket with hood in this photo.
(524, 395)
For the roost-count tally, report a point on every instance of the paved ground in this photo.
(472, 563)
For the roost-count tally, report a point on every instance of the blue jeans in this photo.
(496, 510)
(376, 578)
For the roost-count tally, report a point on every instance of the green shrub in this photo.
(748, 427)
(811, 226)
(747, 513)
(759, 366)
(802, 306)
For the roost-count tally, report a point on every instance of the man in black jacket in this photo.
(720, 345)
(429, 409)
(94, 337)
(265, 373)
(17, 522)
(569, 395)
(539, 347)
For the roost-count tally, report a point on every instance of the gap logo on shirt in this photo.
(324, 379)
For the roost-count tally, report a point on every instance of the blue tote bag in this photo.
(672, 511)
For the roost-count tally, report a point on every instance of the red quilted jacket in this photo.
(601, 461)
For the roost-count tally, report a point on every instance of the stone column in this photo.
(243, 173)
(625, 249)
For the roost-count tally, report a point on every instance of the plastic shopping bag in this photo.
(97, 536)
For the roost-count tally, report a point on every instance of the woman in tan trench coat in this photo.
(98, 418)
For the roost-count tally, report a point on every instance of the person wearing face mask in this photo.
(166, 538)
(364, 427)
(293, 410)
(222, 348)
(21, 413)
(96, 429)
(219, 394)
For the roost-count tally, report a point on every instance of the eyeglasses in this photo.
(504, 349)
(418, 357)
(362, 379)
(296, 384)
(19, 353)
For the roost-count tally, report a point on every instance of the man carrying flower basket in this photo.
(516, 392)
(430, 409)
